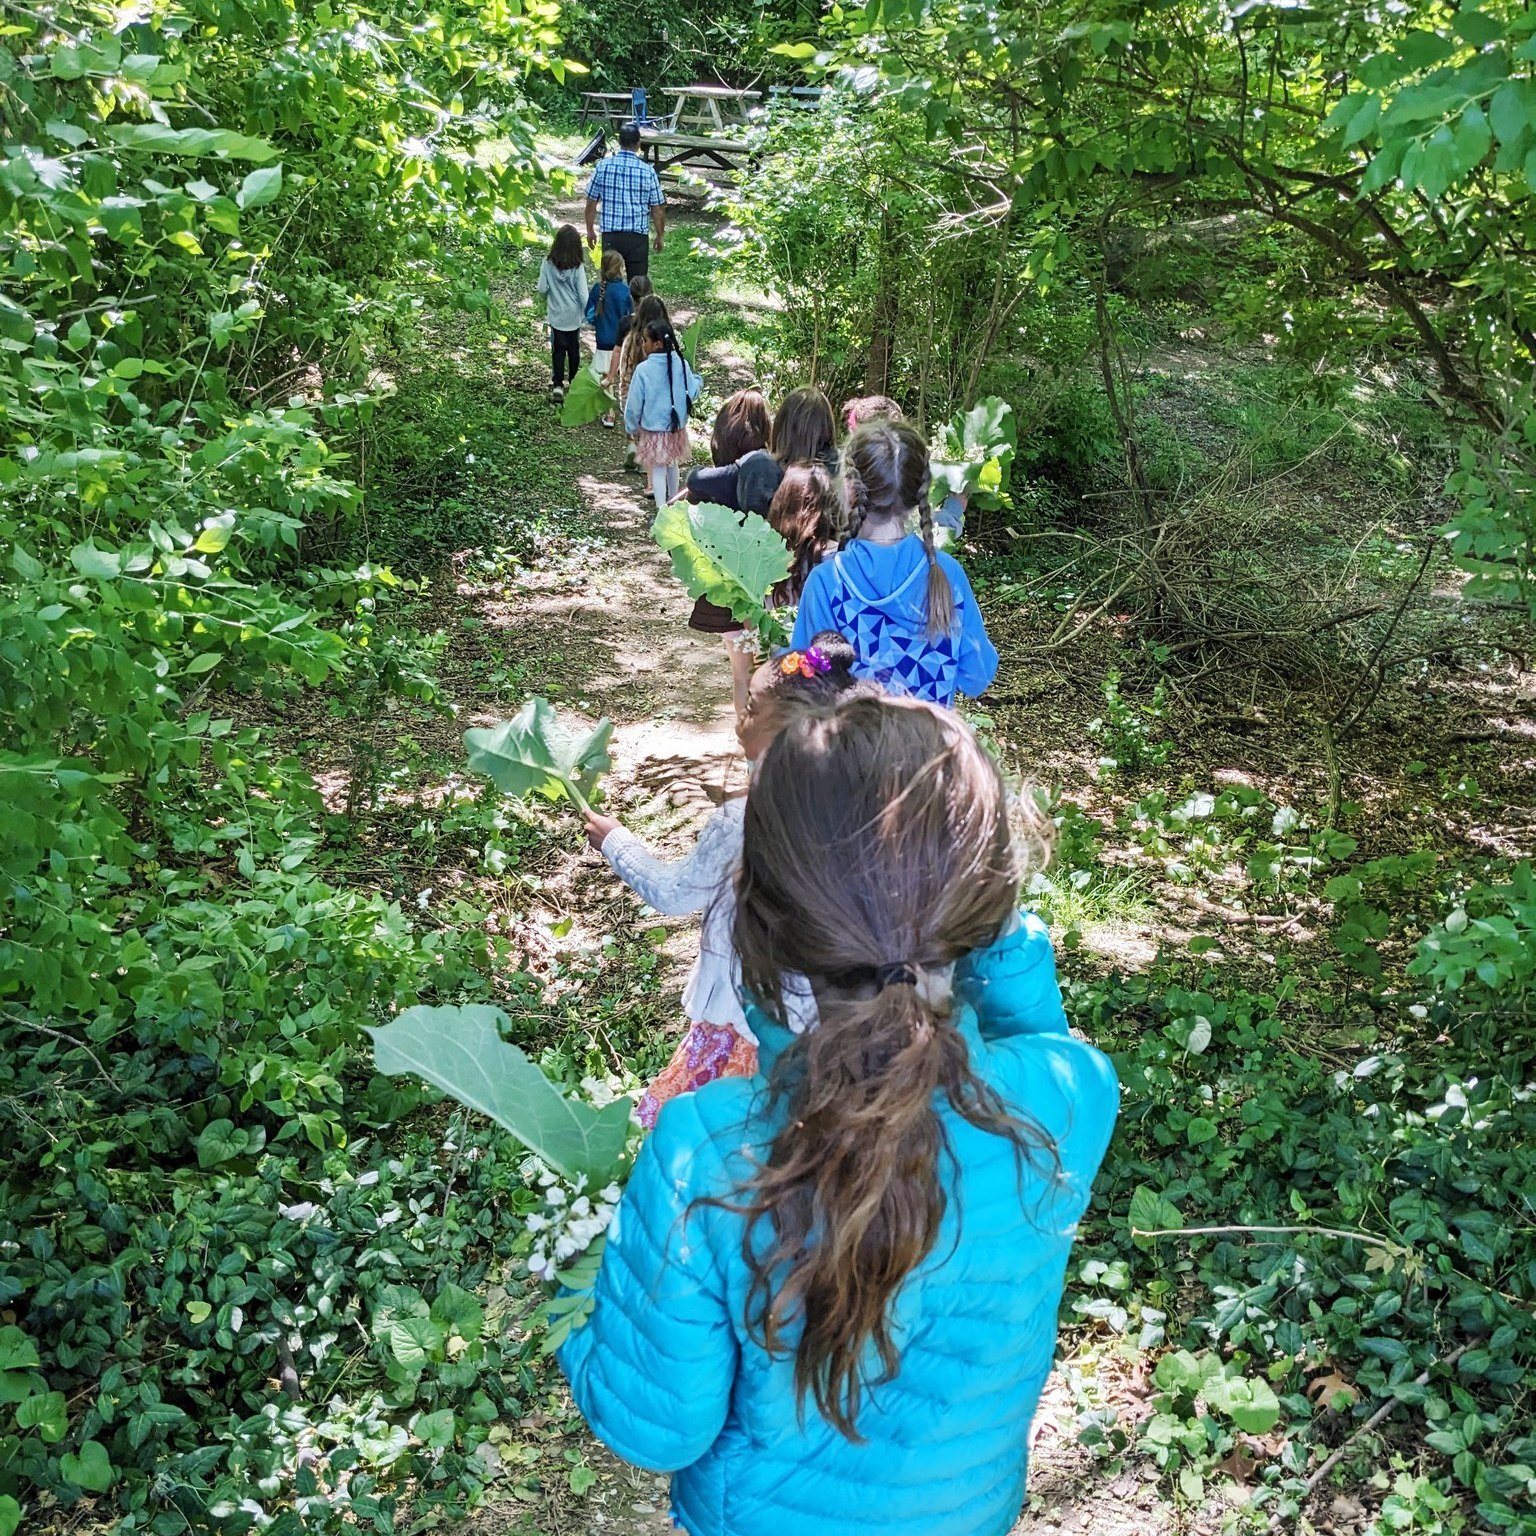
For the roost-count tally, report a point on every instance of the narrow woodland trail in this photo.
(598, 622)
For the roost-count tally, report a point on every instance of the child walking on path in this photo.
(741, 427)
(608, 304)
(656, 408)
(907, 609)
(828, 1299)
(563, 282)
(627, 356)
(718, 1042)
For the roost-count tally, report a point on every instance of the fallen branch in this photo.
(69, 1040)
(1358, 1237)
(1316, 1479)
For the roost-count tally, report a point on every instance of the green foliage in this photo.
(972, 455)
(461, 1051)
(1394, 153)
(213, 220)
(585, 400)
(650, 43)
(1129, 731)
(532, 754)
(732, 558)
(1483, 953)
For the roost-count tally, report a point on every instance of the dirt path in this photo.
(594, 618)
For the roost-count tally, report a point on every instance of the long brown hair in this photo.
(884, 470)
(803, 428)
(741, 427)
(565, 248)
(877, 853)
(800, 514)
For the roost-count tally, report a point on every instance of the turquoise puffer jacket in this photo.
(669, 1377)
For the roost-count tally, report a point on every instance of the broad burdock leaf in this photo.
(585, 400)
(973, 453)
(734, 559)
(532, 753)
(460, 1050)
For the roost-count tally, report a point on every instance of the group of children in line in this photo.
(828, 1298)
(636, 356)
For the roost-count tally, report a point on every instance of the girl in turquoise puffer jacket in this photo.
(828, 1300)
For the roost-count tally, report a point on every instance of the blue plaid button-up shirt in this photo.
(627, 189)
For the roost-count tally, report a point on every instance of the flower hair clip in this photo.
(809, 664)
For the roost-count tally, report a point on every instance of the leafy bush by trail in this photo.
(213, 218)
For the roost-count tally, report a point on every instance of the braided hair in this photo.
(884, 472)
(612, 271)
(661, 330)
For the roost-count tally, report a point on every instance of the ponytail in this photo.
(885, 471)
(852, 1185)
(671, 391)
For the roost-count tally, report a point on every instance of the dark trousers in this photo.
(634, 246)
(564, 348)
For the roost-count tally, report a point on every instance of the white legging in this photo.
(664, 483)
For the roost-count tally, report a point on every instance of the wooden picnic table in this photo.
(613, 107)
(711, 155)
(710, 106)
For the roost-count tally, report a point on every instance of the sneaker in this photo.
(556, 394)
(608, 420)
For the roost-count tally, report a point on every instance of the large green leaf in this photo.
(199, 142)
(585, 400)
(460, 1050)
(732, 558)
(973, 454)
(689, 342)
(533, 754)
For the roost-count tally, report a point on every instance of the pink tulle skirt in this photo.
(655, 449)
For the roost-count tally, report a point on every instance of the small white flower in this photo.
(565, 1248)
(469, 458)
(423, 897)
(1419, 1011)
(536, 1223)
(612, 1194)
(581, 1183)
(556, 1195)
(581, 1206)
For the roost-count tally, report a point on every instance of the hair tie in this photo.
(809, 664)
(901, 974)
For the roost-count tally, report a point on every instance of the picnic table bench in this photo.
(704, 153)
(610, 107)
(797, 95)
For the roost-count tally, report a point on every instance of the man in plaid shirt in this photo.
(630, 195)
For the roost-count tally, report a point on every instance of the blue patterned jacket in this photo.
(670, 1377)
(877, 596)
